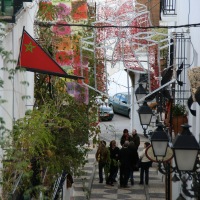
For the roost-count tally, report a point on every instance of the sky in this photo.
(118, 82)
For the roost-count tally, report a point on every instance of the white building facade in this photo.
(181, 17)
(13, 89)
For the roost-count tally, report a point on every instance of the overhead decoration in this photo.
(62, 30)
(64, 44)
(124, 43)
(67, 44)
(35, 59)
(78, 91)
(64, 57)
(79, 10)
(46, 11)
(64, 10)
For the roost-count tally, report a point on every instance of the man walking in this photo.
(103, 157)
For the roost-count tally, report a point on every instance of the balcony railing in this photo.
(168, 7)
(10, 9)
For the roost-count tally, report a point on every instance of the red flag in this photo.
(35, 59)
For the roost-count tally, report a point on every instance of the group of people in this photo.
(125, 160)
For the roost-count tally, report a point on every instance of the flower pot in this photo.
(177, 121)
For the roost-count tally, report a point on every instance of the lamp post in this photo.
(145, 115)
(187, 162)
(159, 142)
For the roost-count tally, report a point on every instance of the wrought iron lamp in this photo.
(187, 161)
(145, 115)
(159, 142)
(185, 146)
(140, 92)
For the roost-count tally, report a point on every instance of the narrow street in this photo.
(88, 186)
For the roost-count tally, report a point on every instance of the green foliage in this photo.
(179, 109)
(54, 134)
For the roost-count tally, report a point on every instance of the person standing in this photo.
(103, 157)
(125, 137)
(114, 158)
(145, 165)
(135, 138)
(125, 164)
(136, 141)
(134, 160)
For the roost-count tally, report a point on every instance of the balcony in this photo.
(168, 12)
(10, 9)
(168, 7)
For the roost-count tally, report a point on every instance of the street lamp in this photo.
(159, 142)
(185, 146)
(163, 154)
(187, 161)
(145, 115)
(140, 92)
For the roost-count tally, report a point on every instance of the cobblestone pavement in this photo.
(88, 187)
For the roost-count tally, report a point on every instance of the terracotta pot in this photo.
(177, 121)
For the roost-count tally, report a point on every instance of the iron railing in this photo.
(168, 7)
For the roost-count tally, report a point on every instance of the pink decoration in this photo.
(64, 57)
(64, 10)
(61, 30)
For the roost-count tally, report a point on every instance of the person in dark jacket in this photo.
(134, 160)
(125, 164)
(114, 157)
(125, 137)
(135, 138)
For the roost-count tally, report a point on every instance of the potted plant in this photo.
(179, 117)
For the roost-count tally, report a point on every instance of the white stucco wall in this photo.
(188, 13)
(13, 90)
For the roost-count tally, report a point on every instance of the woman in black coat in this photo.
(125, 164)
(134, 157)
(114, 157)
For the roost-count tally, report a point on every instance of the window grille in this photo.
(168, 7)
(182, 43)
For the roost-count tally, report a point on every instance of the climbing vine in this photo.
(53, 136)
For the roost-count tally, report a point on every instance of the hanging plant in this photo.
(64, 43)
(46, 11)
(79, 10)
(62, 30)
(63, 10)
(64, 57)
